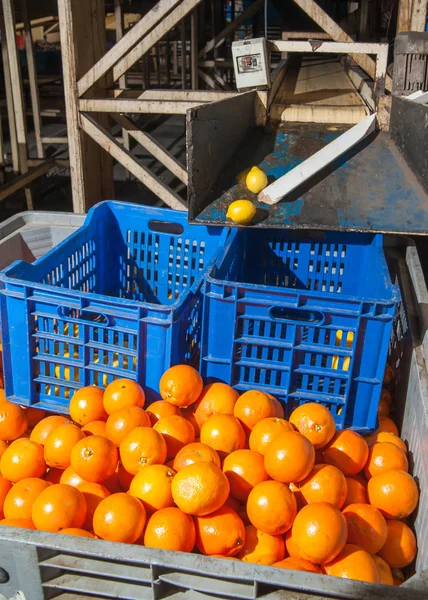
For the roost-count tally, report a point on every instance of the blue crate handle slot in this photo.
(296, 315)
(86, 316)
(166, 227)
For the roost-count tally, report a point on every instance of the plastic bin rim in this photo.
(155, 211)
(395, 290)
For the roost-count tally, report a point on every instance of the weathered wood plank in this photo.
(119, 105)
(26, 178)
(9, 98)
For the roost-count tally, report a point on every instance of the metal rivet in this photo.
(4, 576)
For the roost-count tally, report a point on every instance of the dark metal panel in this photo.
(409, 129)
(214, 135)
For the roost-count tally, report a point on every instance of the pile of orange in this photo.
(208, 470)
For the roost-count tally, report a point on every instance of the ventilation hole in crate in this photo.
(342, 387)
(305, 333)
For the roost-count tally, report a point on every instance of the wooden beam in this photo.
(404, 15)
(149, 143)
(183, 54)
(323, 20)
(305, 35)
(208, 79)
(157, 33)
(32, 75)
(36, 22)
(134, 35)
(220, 38)
(17, 93)
(217, 63)
(26, 178)
(200, 96)
(194, 48)
(329, 47)
(107, 141)
(9, 97)
(360, 85)
(418, 16)
(364, 14)
(109, 105)
(54, 140)
(1, 151)
(274, 192)
(118, 14)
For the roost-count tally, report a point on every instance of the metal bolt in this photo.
(4, 575)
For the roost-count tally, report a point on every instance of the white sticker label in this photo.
(250, 63)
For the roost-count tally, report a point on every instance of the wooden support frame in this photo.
(23, 180)
(351, 48)
(9, 98)
(119, 105)
(108, 142)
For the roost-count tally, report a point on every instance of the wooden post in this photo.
(403, 17)
(9, 98)
(122, 80)
(194, 47)
(82, 29)
(17, 93)
(183, 54)
(364, 13)
(1, 152)
(419, 15)
(32, 76)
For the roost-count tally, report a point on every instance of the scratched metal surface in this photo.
(371, 188)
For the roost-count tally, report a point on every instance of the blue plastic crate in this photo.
(120, 297)
(305, 318)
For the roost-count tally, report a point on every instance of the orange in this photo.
(57, 507)
(265, 431)
(290, 457)
(221, 532)
(385, 436)
(94, 458)
(224, 433)
(76, 531)
(181, 385)
(394, 493)
(261, 548)
(170, 529)
(383, 570)
(241, 509)
(59, 444)
(54, 475)
(177, 432)
(189, 415)
(353, 563)
(389, 375)
(46, 426)
(383, 410)
(24, 523)
(315, 422)
(193, 453)
(34, 415)
(5, 487)
(385, 456)
(271, 507)
(386, 395)
(297, 564)
(387, 424)
(357, 492)
(119, 518)
(244, 470)
(400, 546)
(21, 460)
(122, 393)
(320, 532)
(19, 501)
(123, 421)
(86, 405)
(290, 545)
(252, 407)
(161, 408)
(325, 483)
(13, 421)
(3, 446)
(113, 484)
(366, 527)
(125, 478)
(200, 489)
(93, 494)
(152, 486)
(70, 477)
(347, 451)
(95, 428)
(216, 398)
(397, 576)
(279, 409)
(142, 447)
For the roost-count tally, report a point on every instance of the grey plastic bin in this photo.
(44, 566)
